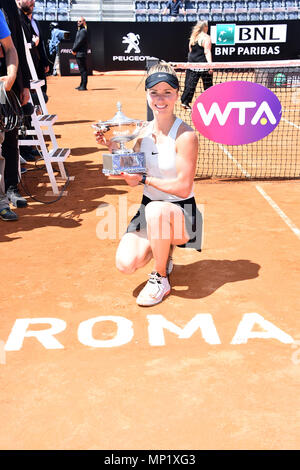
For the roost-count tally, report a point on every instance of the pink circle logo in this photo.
(236, 113)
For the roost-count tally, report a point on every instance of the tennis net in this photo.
(275, 156)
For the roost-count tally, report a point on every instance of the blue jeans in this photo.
(4, 203)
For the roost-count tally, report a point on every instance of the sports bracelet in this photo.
(143, 180)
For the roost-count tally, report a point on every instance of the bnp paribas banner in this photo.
(266, 41)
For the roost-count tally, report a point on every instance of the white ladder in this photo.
(42, 125)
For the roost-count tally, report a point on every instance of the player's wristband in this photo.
(143, 180)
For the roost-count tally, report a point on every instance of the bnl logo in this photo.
(225, 34)
(231, 34)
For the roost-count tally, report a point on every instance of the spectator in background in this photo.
(199, 51)
(174, 7)
(11, 59)
(40, 60)
(79, 49)
(33, 36)
(10, 150)
(57, 35)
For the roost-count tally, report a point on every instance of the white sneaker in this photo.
(154, 291)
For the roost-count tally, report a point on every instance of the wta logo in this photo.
(236, 113)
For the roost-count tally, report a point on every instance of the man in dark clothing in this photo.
(11, 59)
(21, 87)
(40, 60)
(33, 36)
(174, 7)
(79, 49)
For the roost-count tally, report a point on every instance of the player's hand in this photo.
(100, 139)
(132, 179)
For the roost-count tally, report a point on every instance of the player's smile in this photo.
(162, 97)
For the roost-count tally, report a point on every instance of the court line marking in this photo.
(291, 123)
(280, 212)
(272, 203)
(245, 173)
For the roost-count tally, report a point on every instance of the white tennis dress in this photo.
(161, 161)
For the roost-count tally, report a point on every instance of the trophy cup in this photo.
(121, 129)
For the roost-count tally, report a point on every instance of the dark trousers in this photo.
(40, 71)
(11, 154)
(82, 65)
(191, 82)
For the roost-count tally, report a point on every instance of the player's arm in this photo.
(207, 49)
(11, 58)
(186, 162)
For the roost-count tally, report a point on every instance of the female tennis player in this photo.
(168, 215)
(199, 51)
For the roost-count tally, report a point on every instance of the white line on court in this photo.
(245, 173)
(291, 123)
(277, 209)
(272, 203)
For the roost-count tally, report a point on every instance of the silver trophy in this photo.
(122, 129)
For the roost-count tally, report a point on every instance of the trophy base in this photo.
(116, 163)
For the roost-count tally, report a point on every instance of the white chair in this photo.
(43, 125)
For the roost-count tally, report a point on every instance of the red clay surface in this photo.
(187, 394)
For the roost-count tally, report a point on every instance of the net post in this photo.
(149, 63)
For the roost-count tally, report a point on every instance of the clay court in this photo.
(232, 384)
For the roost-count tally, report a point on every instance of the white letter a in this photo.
(244, 330)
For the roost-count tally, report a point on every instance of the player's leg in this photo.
(134, 251)
(207, 80)
(165, 228)
(191, 82)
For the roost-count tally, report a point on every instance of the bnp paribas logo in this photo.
(225, 34)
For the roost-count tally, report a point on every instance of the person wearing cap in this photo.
(57, 35)
(168, 215)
